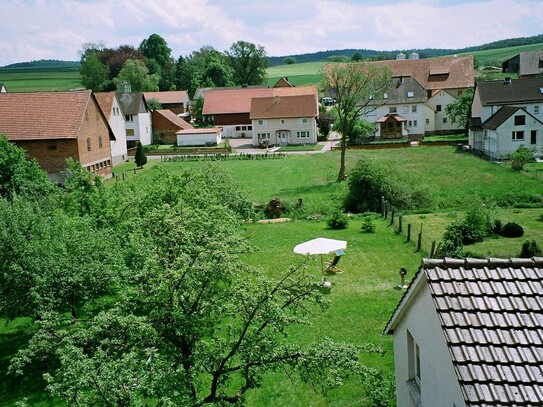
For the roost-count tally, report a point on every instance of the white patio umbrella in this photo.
(320, 245)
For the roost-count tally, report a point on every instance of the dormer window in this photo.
(410, 94)
(385, 96)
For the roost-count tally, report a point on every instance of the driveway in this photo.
(244, 145)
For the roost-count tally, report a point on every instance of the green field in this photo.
(42, 79)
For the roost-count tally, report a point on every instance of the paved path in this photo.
(244, 145)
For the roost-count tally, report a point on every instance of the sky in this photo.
(57, 29)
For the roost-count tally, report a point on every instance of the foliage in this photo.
(355, 86)
(94, 74)
(197, 109)
(529, 249)
(337, 220)
(140, 158)
(511, 229)
(520, 156)
(325, 120)
(451, 244)
(289, 60)
(369, 182)
(367, 223)
(19, 176)
(380, 389)
(153, 104)
(460, 110)
(156, 48)
(338, 58)
(248, 62)
(137, 75)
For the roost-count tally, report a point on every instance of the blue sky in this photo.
(56, 29)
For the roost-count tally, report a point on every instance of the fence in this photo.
(395, 218)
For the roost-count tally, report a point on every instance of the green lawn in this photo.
(44, 79)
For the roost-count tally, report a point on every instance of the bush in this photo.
(530, 248)
(337, 220)
(367, 223)
(511, 229)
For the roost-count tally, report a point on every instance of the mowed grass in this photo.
(43, 79)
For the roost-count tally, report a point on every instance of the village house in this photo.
(525, 64)
(419, 93)
(55, 126)
(137, 118)
(470, 333)
(177, 101)
(505, 115)
(111, 109)
(231, 109)
(171, 129)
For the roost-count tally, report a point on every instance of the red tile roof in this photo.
(175, 119)
(435, 73)
(239, 100)
(105, 101)
(275, 107)
(43, 115)
(168, 97)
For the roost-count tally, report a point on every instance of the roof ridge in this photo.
(488, 262)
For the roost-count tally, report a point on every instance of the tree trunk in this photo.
(341, 176)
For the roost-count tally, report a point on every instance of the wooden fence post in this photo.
(409, 232)
(383, 206)
(432, 252)
(419, 242)
(392, 216)
(400, 223)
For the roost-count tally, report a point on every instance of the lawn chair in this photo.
(331, 266)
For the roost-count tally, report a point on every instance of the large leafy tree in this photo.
(357, 87)
(155, 47)
(19, 176)
(194, 324)
(94, 74)
(137, 75)
(249, 63)
(459, 111)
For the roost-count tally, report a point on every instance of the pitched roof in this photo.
(435, 73)
(43, 115)
(405, 90)
(275, 107)
(491, 315)
(525, 63)
(105, 101)
(131, 101)
(168, 97)
(239, 100)
(524, 90)
(173, 118)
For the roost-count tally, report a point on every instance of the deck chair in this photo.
(331, 266)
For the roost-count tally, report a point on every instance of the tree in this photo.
(153, 104)
(19, 176)
(137, 75)
(289, 61)
(357, 87)
(520, 156)
(460, 110)
(94, 74)
(249, 63)
(357, 57)
(140, 158)
(155, 47)
(325, 120)
(197, 109)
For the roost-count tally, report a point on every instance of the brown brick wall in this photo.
(231, 119)
(50, 154)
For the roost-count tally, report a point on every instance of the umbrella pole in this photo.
(322, 265)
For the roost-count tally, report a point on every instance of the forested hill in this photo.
(43, 63)
(423, 53)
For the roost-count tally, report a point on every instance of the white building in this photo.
(137, 118)
(109, 104)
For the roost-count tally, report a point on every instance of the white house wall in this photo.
(292, 125)
(117, 124)
(443, 99)
(439, 384)
(145, 128)
(500, 142)
(198, 139)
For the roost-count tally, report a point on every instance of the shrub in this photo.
(367, 223)
(337, 220)
(511, 229)
(275, 208)
(530, 248)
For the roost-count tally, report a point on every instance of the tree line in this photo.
(151, 66)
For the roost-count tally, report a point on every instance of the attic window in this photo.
(385, 96)
(541, 90)
(410, 94)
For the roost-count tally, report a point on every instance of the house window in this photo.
(427, 121)
(261, 122)
(392, 110)
(405, 109)
(304, 121)
(263, 136)
(130, 132)
(533, 137)
(410, 94)
(282, 121)
(413, 109)
(129, 117)
(385, 96)
(238, 128)
(51, 147)
(413, 368)
(536, 109)
(438, 108)
(414, 123)
(445, 120)
(302, 134)
(517, 135)
(99, 141)
(88, 144)
(520, 120)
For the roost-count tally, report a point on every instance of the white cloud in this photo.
(35, 29)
